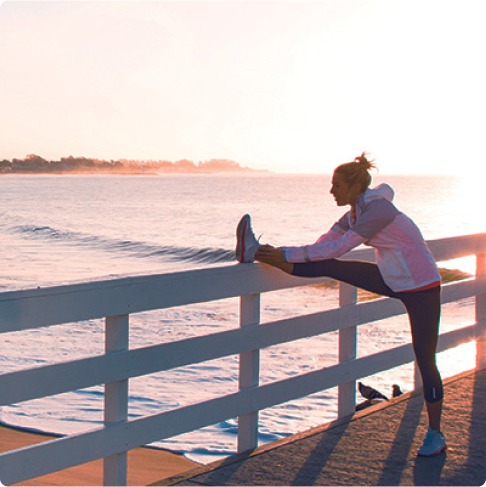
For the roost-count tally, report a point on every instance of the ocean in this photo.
(60, 229)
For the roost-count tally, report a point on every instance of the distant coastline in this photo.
(34, 164)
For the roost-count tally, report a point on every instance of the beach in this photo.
(145, 465)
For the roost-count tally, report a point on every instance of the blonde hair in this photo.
(357, 171)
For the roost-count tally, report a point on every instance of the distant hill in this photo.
(34, 164)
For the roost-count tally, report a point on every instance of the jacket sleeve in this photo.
(329, 246)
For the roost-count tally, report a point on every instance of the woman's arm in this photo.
(323, 250)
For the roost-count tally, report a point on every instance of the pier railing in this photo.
(115, 300)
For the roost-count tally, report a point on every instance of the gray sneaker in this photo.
(246, 242)
(434, 444)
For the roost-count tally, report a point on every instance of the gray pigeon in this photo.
(369, 393)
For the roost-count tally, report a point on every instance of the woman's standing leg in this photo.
(424, 312)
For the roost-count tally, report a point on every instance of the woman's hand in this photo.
(274, 257)
(270, 255)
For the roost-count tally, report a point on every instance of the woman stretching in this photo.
(405, 269)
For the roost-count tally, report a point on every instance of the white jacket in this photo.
(402, 256)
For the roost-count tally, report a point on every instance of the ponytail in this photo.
(357, 171)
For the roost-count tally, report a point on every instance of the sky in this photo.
(283, 85)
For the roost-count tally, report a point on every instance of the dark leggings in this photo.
(423, 309)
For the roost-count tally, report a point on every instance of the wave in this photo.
(209, 255)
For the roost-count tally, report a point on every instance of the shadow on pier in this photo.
(374, 447)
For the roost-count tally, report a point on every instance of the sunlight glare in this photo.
(458, 359)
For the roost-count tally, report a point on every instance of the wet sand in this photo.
(145, 465)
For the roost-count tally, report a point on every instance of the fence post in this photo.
(481, 313)
(116, 399)
(249, 373)
(348, 295)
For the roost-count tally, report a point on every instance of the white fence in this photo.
(115, 300)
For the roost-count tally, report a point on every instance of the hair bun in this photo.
(363, 160)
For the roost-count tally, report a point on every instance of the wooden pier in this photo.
(376, 446)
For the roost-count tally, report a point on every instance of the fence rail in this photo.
(114, 300)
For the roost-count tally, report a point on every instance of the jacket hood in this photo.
(382, 191)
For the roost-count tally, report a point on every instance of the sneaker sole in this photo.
(240, 238)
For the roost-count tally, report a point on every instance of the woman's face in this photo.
(344, 193)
